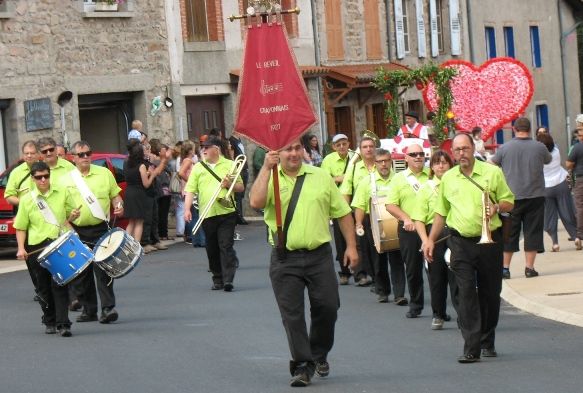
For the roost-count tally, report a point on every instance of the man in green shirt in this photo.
(91, 227)
(362, 203)
(19, 183)
(401, 203)
(48, 153)
(305, 260)
(477, 266)
(336, 164)
(34, 232)
(219, 222)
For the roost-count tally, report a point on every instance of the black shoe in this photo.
(50, 329)
(413, 313)
(446, 317)
(228, 287)
(301, 378)
(322, 369)
(489, 353)
(65, 331)
(36, 298)
(75, 305)
(217, 286)
(241, 221)
(529, 273)
(84, 317)
(468, 359)
(505, 273)
(108, 315)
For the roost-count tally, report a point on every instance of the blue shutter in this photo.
(542, 116)
(535, 47)
(509, 41)
(490, 42)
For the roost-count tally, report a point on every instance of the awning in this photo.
(360, 75)
(307, 71)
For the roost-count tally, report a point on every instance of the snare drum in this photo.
(117, 253)
(384, 227)
(66, 257)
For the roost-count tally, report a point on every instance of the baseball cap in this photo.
(339, 137)
(212, 141)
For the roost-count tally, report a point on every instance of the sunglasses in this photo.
(383, 161)
(48, 150)
(416, 154)
(84, 154)
(42, 177)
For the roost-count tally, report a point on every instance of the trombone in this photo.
(225, 201)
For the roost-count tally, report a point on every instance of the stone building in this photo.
(99, 69)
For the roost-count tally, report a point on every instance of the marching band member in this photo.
(219, 224)
(354, 173)
(438, 273)
(40, 216)
(401, 203)
(361, 204)
(48, 153)
(94, 189)
(412, 128)
(336, 164)
(305, 261)
(477, 267)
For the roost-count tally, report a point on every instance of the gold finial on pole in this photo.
(295, 10)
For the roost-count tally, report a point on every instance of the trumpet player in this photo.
(220, 221)
(470, 197)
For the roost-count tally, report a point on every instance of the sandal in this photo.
(556, 248)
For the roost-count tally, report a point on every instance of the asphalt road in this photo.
(176, 335)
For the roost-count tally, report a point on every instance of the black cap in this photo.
(413, 114)
(212, 141)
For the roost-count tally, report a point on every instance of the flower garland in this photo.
(394, 83)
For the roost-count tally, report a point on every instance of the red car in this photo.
(113, 162)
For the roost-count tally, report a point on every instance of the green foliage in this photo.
(394, 83)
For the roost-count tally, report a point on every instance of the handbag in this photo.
(175, 184)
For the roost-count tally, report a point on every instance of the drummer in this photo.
(42, 213)
(94, 189)
(48, 153)
(382, 178)
(438, 273)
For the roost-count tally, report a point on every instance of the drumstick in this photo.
(438, 241)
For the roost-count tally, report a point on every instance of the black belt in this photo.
(304, 251)
(455, 233)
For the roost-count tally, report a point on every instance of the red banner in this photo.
(273, 108)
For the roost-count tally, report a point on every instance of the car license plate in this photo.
(3, 227)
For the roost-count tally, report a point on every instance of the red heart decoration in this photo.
(488, 96)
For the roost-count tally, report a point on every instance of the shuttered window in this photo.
(334, 30)
(372, 29)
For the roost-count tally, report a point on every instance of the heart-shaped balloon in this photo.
(488, 96)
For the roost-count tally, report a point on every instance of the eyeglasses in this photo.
(42, 177)
(458, 150)
(84, 154)
(48, 150)
(416, 154)
(388, 161)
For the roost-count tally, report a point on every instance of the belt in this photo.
(455, 233)
(304, 251)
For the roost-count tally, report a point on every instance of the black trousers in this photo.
(240, 195)
(54, 297)
(163, 210)
(410, 243)
(150, 232)
(84, 286)
(380, 266)
(439, 277)
(478, 273)
(340, 245)
(290, 277)
(219, 232)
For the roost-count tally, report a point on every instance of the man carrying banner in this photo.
(305, 259)
(94, 189)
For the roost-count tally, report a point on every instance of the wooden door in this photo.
(344, 124)
(203, 114)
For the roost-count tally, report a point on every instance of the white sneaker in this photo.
(436, 324)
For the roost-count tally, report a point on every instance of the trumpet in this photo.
(486, 237)
(232, 175)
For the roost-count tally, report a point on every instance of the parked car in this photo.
(112, 161)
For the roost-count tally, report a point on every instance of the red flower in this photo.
(388, 96)
(419, 85)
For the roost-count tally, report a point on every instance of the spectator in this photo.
(312, 155)
(176, 197)
(478, 142)
(136, 131)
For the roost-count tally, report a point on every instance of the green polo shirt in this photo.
(334, 164)
(29, 218)
(425, 205)
(460, 201)
(204, 184)
(353, 177)
(362, 195)
(319, 201)
(15, 178)
(402, 193)
(102, 184)
(62, 168)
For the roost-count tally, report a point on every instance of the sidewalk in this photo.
(557, 293)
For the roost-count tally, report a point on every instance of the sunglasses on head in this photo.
(42, 177)
(48, 150)
(84, 154)
(416, 154)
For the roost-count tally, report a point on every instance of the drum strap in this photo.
(477, 185)
(433, 185)
(292, 206)
(44, 209)
(413, 182)
(88, 196)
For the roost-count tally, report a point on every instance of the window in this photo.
(535, 47)
(438, 14)
(202, 21)
(406, 26)
(490, 42)
(509, 41)
(334, 30)
(542, 116)
(372, 29)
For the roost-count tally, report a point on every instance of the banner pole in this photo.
(278, 222)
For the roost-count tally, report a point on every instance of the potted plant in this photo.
(107, 5)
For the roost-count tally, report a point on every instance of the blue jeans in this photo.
(199, 238)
